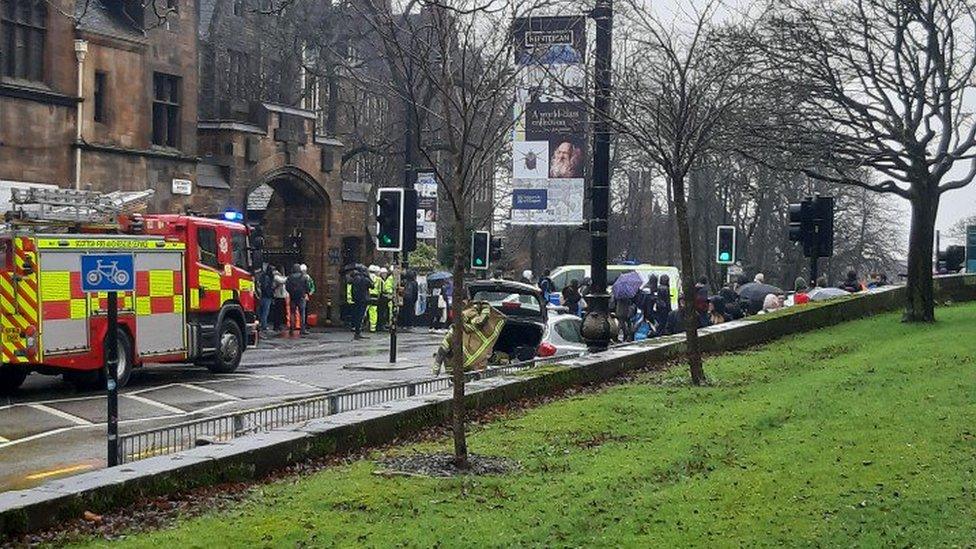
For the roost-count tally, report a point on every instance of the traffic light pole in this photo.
(597, 329)
(394, 310)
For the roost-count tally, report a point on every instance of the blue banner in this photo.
(530, 199)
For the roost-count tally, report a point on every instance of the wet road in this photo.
(49, 429)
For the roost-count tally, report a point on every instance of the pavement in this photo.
(50, 430)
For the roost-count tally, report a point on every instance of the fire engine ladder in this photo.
(68, 206)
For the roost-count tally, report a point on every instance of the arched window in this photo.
(22, 31)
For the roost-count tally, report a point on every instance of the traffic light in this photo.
(389, 220)
(823, 217)
(802, 229)
(480, 250)
(725, 245)
(812, 224)
(495, 252)
(409, 220)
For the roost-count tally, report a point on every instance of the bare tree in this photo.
(678, 86)
(881, 85)
(453, 65)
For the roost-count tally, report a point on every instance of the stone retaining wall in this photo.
(255, 456)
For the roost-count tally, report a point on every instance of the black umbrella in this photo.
(755, 293)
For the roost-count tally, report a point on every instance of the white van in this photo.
(562, 275)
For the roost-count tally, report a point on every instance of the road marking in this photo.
(61, 414)
(147, 389)
(4, 440)
(39, 435)
(144, 400)
(292, 381)
(155, 452)
(210, 391)
(61, 471)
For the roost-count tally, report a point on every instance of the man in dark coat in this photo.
(361, 284)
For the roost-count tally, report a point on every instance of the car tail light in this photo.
(511, 305)
(546, 349)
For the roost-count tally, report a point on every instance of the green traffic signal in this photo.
(479, 261)
(386, 239)
(725, 256)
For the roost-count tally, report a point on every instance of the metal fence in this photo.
(189, 434)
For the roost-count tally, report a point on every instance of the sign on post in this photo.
(111, 273)
(107, 273)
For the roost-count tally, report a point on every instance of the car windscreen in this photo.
(510, 302)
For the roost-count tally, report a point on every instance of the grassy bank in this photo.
(864, 432)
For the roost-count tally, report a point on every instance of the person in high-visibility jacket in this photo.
(389, 293)
(375, 289)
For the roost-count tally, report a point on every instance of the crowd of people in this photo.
(648, 311)
(643, 311)
(283, 300)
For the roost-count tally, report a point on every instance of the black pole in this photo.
(408, 175)
(112, 377)
(393, 310)
(596, 330)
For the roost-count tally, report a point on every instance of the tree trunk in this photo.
(670, 239)
(687, 282)
(457, 359)
(920, 303)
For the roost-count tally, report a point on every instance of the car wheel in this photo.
(230, 347)
(11, 378)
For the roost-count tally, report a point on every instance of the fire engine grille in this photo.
(190, 434)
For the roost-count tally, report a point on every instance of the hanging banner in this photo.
(548, 149)
(426, 205)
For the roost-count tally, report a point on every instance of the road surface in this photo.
(49, 429)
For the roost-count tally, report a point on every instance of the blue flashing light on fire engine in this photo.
(233, 215)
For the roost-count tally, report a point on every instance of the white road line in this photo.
(61, 414)
(37, 436)
(210, 391)
(156, 388)
(144, 400)
(293, 382)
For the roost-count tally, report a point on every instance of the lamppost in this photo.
(597, 329)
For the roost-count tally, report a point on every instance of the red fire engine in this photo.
(193, 301)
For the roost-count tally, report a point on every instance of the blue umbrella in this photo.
(439, 275)
(627, 285)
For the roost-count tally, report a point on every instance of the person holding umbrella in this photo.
(624, 290)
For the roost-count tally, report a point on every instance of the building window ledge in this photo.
(154, 152)
(37, 92)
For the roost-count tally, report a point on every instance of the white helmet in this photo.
(383, 271)
(527, 274)
(304, 268)
(374, 269)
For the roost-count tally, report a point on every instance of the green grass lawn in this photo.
(864, 433)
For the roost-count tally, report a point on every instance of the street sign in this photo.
(111, 273)
(107, 273)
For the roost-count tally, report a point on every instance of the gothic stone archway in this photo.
(294, 213)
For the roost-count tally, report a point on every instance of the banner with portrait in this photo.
(426, 187)
(549, 145)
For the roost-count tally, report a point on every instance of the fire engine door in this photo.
(160, 323)
(64, 307)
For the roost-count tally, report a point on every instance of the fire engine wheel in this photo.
(96, 379)
(230, 347)
(11, 378)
